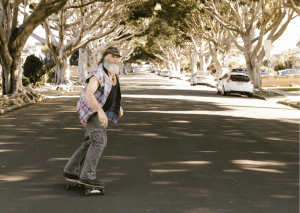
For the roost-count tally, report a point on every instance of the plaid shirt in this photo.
(85, 110)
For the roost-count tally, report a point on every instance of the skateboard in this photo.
(89, 189)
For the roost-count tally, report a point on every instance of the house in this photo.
(25, 53)
(296, 53)
(32, 50)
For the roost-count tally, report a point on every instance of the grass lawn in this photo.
(291, 89)
(267, 94)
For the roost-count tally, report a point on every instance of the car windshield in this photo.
(239, 78)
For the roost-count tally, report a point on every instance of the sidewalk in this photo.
(46, 90)
(289, 98)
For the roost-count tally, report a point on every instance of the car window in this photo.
(239, 78)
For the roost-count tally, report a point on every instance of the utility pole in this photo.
(267, 48)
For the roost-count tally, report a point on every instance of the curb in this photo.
(42, 98)
(259, 97)
(7, 109)
(289, 104)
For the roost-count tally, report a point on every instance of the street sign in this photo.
(267, 45)
(267, 54)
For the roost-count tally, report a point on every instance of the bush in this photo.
(25, 81)
(33, 68)
(44, 78)
(279, 67)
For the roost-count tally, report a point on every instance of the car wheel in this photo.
(224, 93)
(250, 94)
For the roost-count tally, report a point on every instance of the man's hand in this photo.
(103, 118)
(121, 112)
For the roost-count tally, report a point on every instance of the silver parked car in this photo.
(174, 74)
(204, 79)
(235, 83)
(289, 72)
(165, 73)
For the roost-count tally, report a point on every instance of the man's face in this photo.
(112, 58)
(111, 63)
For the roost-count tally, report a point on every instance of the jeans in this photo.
(89, 153)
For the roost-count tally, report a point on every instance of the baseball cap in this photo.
(112, 50)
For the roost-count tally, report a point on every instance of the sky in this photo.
(288, 40)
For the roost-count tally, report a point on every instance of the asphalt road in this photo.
(178, 149)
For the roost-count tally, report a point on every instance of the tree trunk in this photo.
(63, 72)
(194, 59)
(218, 64)
(82, 65)
(127, 68)
(12, 75)
(178, 68)
(204, 63)
(254, 73)
(173, 65)
(252, 65)
(96, 59)
(121, 66)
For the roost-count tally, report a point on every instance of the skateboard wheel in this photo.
(87, 191)
(68, 187)
(102, 191)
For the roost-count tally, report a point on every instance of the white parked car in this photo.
(165, 73)
(205, 79)
(235, 83)
(157, 71)
(174, 74)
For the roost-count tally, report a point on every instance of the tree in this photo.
(76, 27)
(164, 32)
(14, 33)
(295, 4)
(205, 28)
(250, 21)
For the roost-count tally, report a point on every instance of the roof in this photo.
(277, 55)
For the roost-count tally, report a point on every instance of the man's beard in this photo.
(113, 68)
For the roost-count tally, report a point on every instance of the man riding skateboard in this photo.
(99, 102)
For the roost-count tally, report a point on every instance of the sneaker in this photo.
(70, 176)
(94, 182)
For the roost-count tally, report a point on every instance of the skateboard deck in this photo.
(89, 189)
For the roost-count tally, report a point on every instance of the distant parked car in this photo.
(289, 72)
(157, 71)
(241, 70)
(145, 67)
(132, 69)
(165, 73)
(174, 74)
(235, 83)
(266, 73)
(152, 70)
(204, 79)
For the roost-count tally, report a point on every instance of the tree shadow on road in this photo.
(165, 155)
